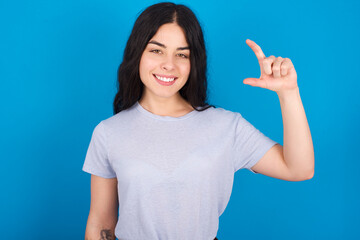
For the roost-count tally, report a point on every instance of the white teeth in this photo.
(165, 79)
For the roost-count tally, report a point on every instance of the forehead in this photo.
(171, 35)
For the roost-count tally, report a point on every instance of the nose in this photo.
(168, 64)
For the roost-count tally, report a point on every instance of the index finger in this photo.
(256, 48)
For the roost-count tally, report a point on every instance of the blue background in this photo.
(58, 63)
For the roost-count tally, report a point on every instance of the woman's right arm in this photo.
(104, 205)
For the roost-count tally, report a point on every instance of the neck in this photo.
(175, 106)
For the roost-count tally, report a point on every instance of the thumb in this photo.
(251, 81)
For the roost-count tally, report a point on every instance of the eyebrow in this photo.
(163, 46)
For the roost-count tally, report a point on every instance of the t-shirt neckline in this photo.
(163, 118)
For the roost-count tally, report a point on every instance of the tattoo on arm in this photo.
(106, 234)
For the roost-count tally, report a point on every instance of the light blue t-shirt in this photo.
(175, 174)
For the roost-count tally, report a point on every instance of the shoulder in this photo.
(119, 118)
(222, 113)
(117, 122)
(220, 116)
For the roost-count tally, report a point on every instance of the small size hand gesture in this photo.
(277, 74)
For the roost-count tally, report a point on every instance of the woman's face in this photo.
(165, 63)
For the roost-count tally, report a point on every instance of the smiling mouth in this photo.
(165, 79)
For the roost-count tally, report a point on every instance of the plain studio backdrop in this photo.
(58, 64)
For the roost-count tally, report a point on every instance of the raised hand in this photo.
(277, 74)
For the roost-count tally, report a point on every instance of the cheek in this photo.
(185, 68)
(146, 65)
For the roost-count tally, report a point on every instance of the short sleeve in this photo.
(96, 160)
(250, 145)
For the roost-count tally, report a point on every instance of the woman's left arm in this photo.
(295, 160)
(298, 147)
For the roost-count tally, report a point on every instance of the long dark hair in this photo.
(130, 87)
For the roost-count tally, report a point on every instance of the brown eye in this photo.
(155, 51)
(182, 55)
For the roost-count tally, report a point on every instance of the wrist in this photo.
(290, 93)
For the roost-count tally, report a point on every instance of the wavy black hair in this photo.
(129, 85)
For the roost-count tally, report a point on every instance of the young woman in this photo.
(163, 166)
